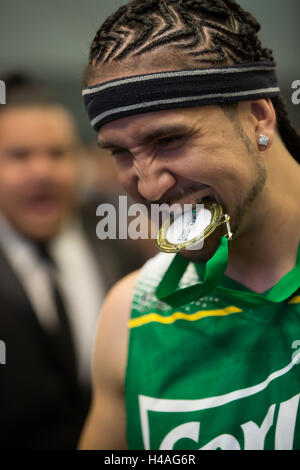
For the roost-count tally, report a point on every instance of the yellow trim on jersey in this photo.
(295, 300)
(155, 317)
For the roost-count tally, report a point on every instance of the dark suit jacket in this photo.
(41, 405)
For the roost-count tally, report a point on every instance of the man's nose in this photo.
(153, 180)
(41, 165)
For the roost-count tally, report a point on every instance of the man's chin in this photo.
(39, 230)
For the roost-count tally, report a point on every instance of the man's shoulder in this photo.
(127, 290)
(124, 287)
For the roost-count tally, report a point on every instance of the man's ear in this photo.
(264, 117)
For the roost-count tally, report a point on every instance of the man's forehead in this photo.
(33, 124)
(149, 126)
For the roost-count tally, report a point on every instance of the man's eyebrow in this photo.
(165, 131)
(106, 145)
(149, 137)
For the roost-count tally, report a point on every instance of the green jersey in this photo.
(212, 374)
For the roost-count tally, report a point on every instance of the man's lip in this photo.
(42, 200)
(199, 198)
(41, 195)
(185, 203)
(196, 198)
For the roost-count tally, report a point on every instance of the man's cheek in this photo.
(131, 187)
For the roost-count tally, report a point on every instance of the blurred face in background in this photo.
(38, 168)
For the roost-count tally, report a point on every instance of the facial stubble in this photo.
(237, 218)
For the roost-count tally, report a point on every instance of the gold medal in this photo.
(187, 230)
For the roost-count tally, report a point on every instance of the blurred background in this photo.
(51, 39)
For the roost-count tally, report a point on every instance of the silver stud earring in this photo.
(263, 140)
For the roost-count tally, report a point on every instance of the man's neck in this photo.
(267, 248)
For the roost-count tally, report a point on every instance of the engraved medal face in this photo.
(187, 230)
(188, 226)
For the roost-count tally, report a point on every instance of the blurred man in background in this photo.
(54, 273)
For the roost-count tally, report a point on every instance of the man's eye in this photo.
(118, 151)
(18, 154)
(170, 141)
(57, 152)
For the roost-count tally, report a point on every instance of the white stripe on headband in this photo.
(180, 73)
(181, 100)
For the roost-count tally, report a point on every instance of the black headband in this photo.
(178, 89)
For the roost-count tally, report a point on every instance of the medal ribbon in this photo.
(209, 275)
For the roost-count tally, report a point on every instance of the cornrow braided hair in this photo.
(206, 32)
